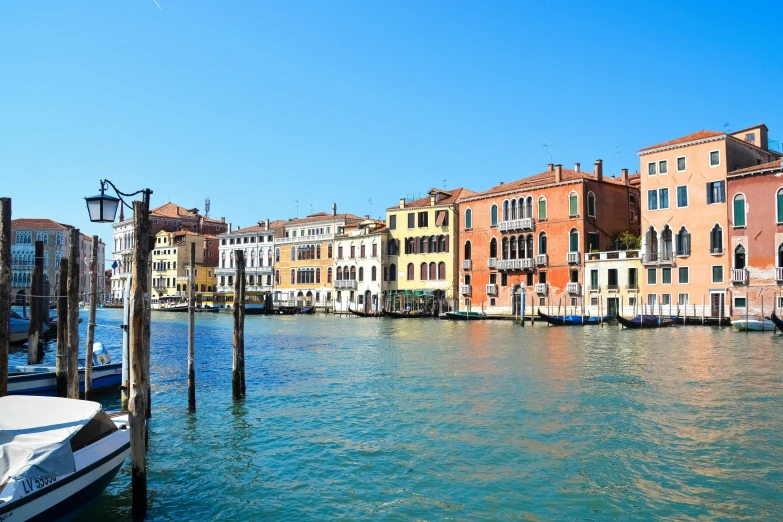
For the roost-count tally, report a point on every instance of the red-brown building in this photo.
(755, 217)
(532, 234)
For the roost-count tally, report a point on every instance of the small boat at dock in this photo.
(573, 320)
(307, 310)
(463, 316)
(753, 325)
(777, 321)
(357, 313)
(647, 321)
(184, 308)
(402, 315)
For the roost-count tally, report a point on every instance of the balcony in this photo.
(492, 289)
(574, 288)
(264, 270)
(594, 288)
(658, 258)
(542, 260)
(516, 224)
(313, 238)
(492, 262)
(739, 276)
(612, 255)
(717, 251)
(613, 288)
(466, 264)
(573, 258)
(464, 290)
(349, 284)
(632, 287)
(779, 274)
(541, 288)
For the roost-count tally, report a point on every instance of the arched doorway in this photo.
(367, 302)
(517, 290)
(309, 297)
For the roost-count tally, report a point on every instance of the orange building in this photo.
(529, 236)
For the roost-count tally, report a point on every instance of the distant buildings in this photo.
(359, 267)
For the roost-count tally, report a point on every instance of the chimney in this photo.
(624, 177)
(267, 223)
(550, 167)
(501, 182)
(334, 209)
(578, 167)
(402, 202)
(222, 220)
(432, 200)
(367, 216)
(558, 173)
(599, 170)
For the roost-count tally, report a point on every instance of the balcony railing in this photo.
(542, 260)
(779, 273)
(541, 288)
(492, 262)
(345, 283)
(573, 258)
(573, 288)
(492, 289)
(516, 224)
(613, 288)
(739, 275)
(717, 251)
(594, 288)
(466, 264)
(304, 239)
(658, 258)
(612, 255)
(464, 289)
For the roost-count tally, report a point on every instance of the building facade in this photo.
(170, 263)
(358, 267)
(685, 242)
(611, 283)
(526, 239)
(755, 218)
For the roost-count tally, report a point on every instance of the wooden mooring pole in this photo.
(72, 336)
(5, 291)
(61, 363)
(192, 330)
(36, 314)
(91, 318)
(238, 377)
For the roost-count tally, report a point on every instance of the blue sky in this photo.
(259, 104)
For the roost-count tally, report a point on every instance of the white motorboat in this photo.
(753, 325)
(56, 455)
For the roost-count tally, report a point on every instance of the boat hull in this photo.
(573, 320)
(648, 321)
(462, 316)
(777, 321)
(753, 325)
(362, 314)
(398, 315)
(104, 377)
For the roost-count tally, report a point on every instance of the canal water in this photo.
(427, 420)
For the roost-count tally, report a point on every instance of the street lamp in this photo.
(103, 207)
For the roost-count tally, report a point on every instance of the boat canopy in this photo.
(35, 434)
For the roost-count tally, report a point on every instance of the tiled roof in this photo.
(774, 165)
(322, 216)
(273, 225)
(761, 126)
(701, 135)
(451, 196)
(548, 178)
(36, 223)
(171, 210)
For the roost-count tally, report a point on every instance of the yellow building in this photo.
(611, 285)
(170, 261)
(423, 252)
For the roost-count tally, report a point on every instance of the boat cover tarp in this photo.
(35, 434)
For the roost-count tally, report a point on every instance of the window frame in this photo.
(493, 209)
(590, 195)
(687, 198)
(712, 274)
(778, 208)
(652, 271)
(663, 271)
(468, 218)
(710, 158)
(687, 277)
(573, 194)
(744, 299)
(546, 209)
(744, 211)
(660, 198)
(654, 168)
(655, 192)
(665, 164)
(685, 162)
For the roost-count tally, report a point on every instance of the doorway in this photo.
(367, 302)
(612, 306)
(716, 302)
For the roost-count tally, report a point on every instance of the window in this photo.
(780, 205)
(666, 299)
(633, 281)
(681, 164)
(750, 136)
(493, 248)
(361, 273)
(739, 257)
(651, 169)
(423, 271)
(317, 275)
(652, 200)
(573, 205)
(393, 222)
(652, 300)
(442, 271)
(329, 275)
(392, 272)
(682, 196)
(663, 167)
(423, 219)
(714, 158)
(716, 240)
(573, 241)
(682, 299)
(591, 204)
(411, 272)
(683, 275)
(717, 273)
(329, 250)
(716, 192)
(593, 279)
(652, 276)
(683, 242)
(663, 198)
(632, 301)
(739, 210)
(468, 219)
(362, 251)
(493, 216)
(375, 250)
(374, 274)
(433, 271)
(542, 278)
(467, 250)
(666, 275)
(542, 243)
(504, 279)
(411, 220)
(740, 302)
(541, 209)
(592, 241)
(353, 251)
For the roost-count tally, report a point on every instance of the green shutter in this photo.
(574, 242)
(542, 209)
(572, 205)
(780, 207)
(739, 212)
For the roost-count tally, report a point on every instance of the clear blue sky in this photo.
(258, 104)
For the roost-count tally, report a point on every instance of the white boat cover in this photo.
(35, 434)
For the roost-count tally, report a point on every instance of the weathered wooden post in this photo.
(73, 315)
(91, 318)
(5, 291)
(36, 314)
(192, 330)
(61, 364)
(238, 377)
(137, 402)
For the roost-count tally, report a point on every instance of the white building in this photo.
(358, 266)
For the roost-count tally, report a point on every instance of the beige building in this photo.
(170, 262)
(611, 283)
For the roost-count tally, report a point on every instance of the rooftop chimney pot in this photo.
(551, 167)
(402, 202)
(599, 170)
(577, 167)
(334, 209)
(558, 173)
(624, 177)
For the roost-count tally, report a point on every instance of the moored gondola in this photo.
(573, 320)
(777, 321)
(308, 310)
(400, 315)
(357, 313)
(647, 321)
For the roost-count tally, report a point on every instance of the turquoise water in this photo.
(427, 420)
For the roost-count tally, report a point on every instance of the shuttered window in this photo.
(573, 203)
(739, 211)
(574, 241)
(542, 209)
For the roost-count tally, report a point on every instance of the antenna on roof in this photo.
(444, 184)
(206, 207)
(369, 200)
(311, 208)
(549, 152)
(297, 209)
(618, 150)
(726, 128)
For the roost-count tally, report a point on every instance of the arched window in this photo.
(467, 250)
(423, 271)
(573, 240)
(411, 272)
(780, 255)
(293, 253)
(353, 273)
(542, 243)
(442, 271)
(361, 273)
(493, 216)
(780, 205)
(293, 275)
(329, 250)
(318, 251)
(513, 209)
(374, 274)
(528, 207)
(493, 248)
(423, 244)
(590, 204)
(716, 239)
(329, 275)
(573, 205)
(317, 275)
(541, 208)
(739, 210)
(277, 255)
(392, 272)
(468, 219)
(739, 257)
(443, 245)
(505, 210)
(433, 271)
(529, 242)
(512, 247)
(504, 243)
(269, 257)
(433, 244)
(277, 277)
(682, 242)
(339, 273)
(666, 243)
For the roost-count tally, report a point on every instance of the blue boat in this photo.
(647, 321)
(37, 379)
(573, 320)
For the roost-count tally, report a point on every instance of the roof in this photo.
(548, 178)
(696, 136)
(273, 225)
(321, 216)
(33, 433)
(36, 223)
(773, 165)
(172, 210)
(760, 126)
(450, 197)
